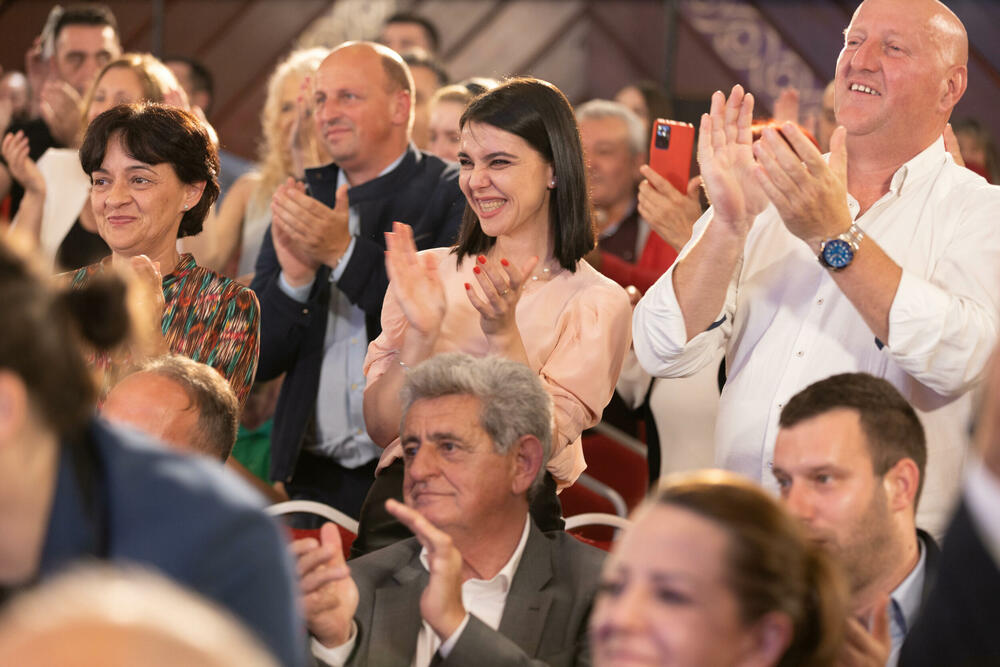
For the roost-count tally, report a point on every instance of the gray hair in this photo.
(513, 401)
(209, 394)
(596, 109)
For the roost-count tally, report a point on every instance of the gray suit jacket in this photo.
(544, 621)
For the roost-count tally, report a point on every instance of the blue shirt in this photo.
(340, 422)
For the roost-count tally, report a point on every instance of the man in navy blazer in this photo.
(959, 625)
(479, 584)
(320, 275)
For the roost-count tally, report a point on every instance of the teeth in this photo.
(491, 205)
(864, 89)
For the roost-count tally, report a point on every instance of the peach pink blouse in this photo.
(575, 328)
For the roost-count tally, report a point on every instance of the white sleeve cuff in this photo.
(917, 305)
(342, 262)
(337, 655)
(982, 498)
(300, 293)
(448, 644)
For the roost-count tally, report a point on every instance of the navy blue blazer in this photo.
(422, 192)
(120, 497)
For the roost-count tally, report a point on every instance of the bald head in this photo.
(901, 72)
(396, 72)
(363, 94)
(942, 27)
(179, 401)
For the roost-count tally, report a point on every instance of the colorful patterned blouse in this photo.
(206, 317)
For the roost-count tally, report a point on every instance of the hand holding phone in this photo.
(670, 151)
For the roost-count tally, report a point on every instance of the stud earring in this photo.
(552, 184)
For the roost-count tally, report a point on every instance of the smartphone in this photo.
(670, 151)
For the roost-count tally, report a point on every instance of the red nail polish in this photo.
(482, 259)
(468, 286)
(475, 269)
(504, 262)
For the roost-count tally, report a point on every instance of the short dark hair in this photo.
(210, 394)
(201, 77)
(90, 13)
(890, 424)
(422, 58)
(540, 114)
(154, 134)
(433, 36)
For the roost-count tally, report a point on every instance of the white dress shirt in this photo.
(786, 324)
(485, 599)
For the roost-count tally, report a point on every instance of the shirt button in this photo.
(799, 353)
(781, 405)
(354, 386)
(819, 302)
(359, 431)
(354, 341)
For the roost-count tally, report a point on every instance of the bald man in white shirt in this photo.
(906, 241)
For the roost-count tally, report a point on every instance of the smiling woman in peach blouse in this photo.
(153, 171)
(515, 284)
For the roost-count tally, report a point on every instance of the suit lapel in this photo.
(527, 604)
(397, 609)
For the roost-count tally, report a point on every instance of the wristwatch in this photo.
(838, 253)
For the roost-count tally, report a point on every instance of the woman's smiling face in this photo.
(139, 206)
(505, 180)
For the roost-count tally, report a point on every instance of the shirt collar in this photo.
(923, 163)
(906, 597)
(505, 576)
(342, 177)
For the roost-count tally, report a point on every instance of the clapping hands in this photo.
(725, 155)
(500, 284)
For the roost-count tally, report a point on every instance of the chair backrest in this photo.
(588, 495)
(575, 525)
(617, 463)
(347, 526)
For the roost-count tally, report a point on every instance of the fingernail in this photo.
(475, 269)
(504, 262)
(482, 259)
(468, 286)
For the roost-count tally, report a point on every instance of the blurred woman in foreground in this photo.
(714, 572)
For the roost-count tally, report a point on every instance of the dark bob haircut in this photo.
(540, 114)
(154, 134)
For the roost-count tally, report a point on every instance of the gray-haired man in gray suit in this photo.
(479, 584)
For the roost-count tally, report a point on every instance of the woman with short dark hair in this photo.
(515, 284)
(153, 168)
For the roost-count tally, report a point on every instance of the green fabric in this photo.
(253, 449)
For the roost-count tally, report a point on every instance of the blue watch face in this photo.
(837, 253)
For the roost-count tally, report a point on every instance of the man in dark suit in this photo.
(849, 460)
(959, 625)
(320, 276)
(479, 584)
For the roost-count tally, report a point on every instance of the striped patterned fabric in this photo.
(207, 317)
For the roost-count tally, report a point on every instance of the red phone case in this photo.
(670, 151)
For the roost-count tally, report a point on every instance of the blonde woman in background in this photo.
(287, 148)
(447, 106)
